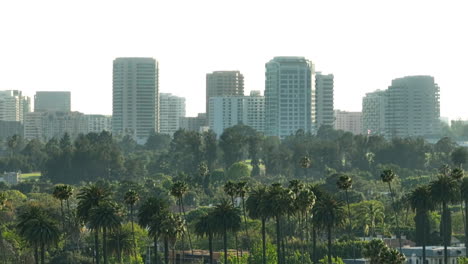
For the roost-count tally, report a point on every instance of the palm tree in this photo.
(280, 201)
(178, 190)
(257, 206)
(230, 188)
(120, 242)
(345, 183)
(90, 197)
(388, 176)
(373, 250)
(329, 213)
(172, 227)
(151, 215)
(421, 201)
(370, 213)
(62, 192)
(319, 193)
(445, 190)
(131, 197)
(105, 217)
(228, 219)
(241, 191)
(464, 198)
(204, 227)
(38, 229)
(304, 202)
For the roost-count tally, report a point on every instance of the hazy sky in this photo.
(70, 45)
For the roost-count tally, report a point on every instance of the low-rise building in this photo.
(10, 177)
(434, 254)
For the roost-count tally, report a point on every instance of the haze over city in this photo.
(56, 45)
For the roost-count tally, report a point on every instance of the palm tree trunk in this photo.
(396, 216)
(329, 244)
(351, 226)
(188, 229)
(225, 242)
(425, 227)
(42, 253)
(133, 232)
(96, 245)
(278, 240)
(466, 229)
(36, 253)
(119, 249)
(314, 243)
(210, 246)
(104, 244)
(263, 241)
(166, 251)
(155, 249)
(445, 231)
(245, 224)
(235, 235)
(63, 214)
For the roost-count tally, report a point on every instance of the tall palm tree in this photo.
(62, 192)
(464, 198)
(445, 190)
(369, 214)
(90, 197)
(38, 229)
(421, 201)
(228, 219)
(319, 193)
(230, 188)
(242, 189)
(258, 208)
(329, 213)
(280, 201)
(204, 227)
(150, 215)
(131, 197)
(105, 217)
(345, 183)
(304, 202)
(388, 176)
(178, 190)
(172, 227)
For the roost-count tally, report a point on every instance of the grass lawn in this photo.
(30, 176)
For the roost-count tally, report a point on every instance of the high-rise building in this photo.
(223, 83)
(13, 105)
(324, 100)
(98, 123)
(135, 102)
(228, 111)
(413, 107)
(52, 101)
(10, 128)
(196, 123)
(348, 121)
(289, 96)
(171, 109)
(47, 125)
(373, 113)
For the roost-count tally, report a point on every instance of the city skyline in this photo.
(382, 41)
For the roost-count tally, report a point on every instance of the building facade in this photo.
(10, 128)
(13, 105)
(325, 114)
(52, 101)
(348, 121)
(373, 113)
(196, 123)
(289, 96)
(47, 125)
(223, 83)
(98, 123)
(171, 109)
(413, 107)
(135, 102)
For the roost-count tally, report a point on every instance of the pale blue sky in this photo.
(70, 45)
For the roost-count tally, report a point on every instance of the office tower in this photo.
(52, 101)
(413, 107)
(135, 102)
(13, 105)
(98, 123)
(10, 128)
(348, 121)
(196, 123)
(171, 109)
(228, 111)
(373, 113)
(47, 125)
(289, 96)
(223, 83)
(324, 100)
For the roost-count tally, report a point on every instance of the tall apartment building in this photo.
(98, 123)
(348, 121)
(413, 107)
(135, 102)
(223, 83)
(52, 101)
(324, 100)
(47, 125)
(373, 113)
(171, 109)
(13, 105)
(193, 123)
(228, 111)
(289, 96)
